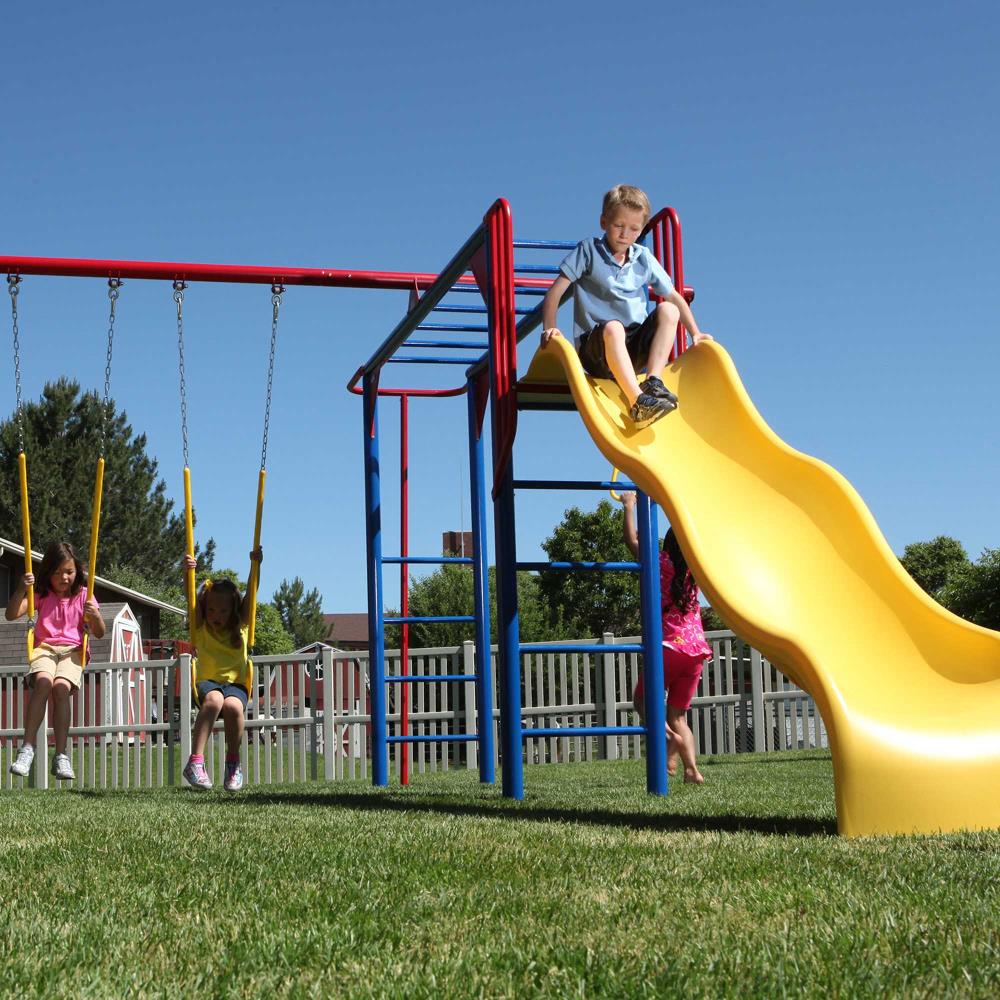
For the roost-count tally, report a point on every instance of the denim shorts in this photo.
(228, 691)
(638, 340)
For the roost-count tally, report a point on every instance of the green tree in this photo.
(270, 635)
(62, 434)
(589, 603)
(973, 590)
(171, 626)
(301, 613)
(932, 563)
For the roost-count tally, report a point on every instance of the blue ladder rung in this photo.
(557, 484)
(447, 328)
(540, 567)
(442, 738)
(528, 734)
(592, 647)
(416, 678)
(544, 245)
(431, 361)
(463, 560)
(410, 619)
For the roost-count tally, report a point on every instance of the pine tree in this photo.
(301, 613)
(62, 434)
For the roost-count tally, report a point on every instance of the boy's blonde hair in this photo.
(626, 196)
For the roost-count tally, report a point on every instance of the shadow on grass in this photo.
(799, 826)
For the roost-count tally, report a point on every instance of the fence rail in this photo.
(308, 718)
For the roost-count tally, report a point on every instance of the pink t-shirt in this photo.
(682, 627)
(60, 619)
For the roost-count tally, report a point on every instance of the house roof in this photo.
(347, 627)
(126, 592)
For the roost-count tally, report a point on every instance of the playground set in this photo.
(787, 552)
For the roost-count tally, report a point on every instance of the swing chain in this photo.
(277, 290)
(13, 280)
(179, 287)
(114, 284)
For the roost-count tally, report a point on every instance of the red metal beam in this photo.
(237, 273)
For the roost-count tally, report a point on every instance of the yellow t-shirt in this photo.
(220, 662)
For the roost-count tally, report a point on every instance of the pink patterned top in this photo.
(682, 627)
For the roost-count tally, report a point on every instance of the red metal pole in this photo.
(239, 273)
(404, 584)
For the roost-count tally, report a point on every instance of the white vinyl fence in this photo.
(308, 718)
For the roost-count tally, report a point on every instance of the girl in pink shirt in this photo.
(56, 662)
(684, 646)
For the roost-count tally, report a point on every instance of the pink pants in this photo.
(681, 673)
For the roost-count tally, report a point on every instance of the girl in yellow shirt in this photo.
(224, 674)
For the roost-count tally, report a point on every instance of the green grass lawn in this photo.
(588, 888)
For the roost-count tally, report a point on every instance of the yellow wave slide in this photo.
(789, 555)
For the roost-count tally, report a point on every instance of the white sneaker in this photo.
(62, 768)
(22, 765)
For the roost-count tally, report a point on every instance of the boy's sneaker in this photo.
(654, 387)
(234, 777)
(648, 408)
(62, 768)
(196, 775)
(22, 765)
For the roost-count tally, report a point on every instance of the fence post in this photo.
(330, 708)
(42, 749)
(184, 719)
(607, 706)
(469, 668)
(757, 700)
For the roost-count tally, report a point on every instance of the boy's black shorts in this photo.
(638, 340)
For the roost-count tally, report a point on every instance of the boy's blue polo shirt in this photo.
(604, 290)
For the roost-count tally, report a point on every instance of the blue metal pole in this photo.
(652, 642)
(511, 731)
(376, 633)
(480, 574)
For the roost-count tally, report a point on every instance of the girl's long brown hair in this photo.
(227, 588)
(55, 555)
(683, 585)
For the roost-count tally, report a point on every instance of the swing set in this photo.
(485, 267)
(16, 268)
(116, 272)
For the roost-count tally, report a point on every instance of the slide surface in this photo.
(787, 552)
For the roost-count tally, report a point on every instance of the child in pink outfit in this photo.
(64, 613)
(684, 647)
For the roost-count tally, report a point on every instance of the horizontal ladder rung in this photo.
(589, 647)
(410, 619)
(570, 484)
(442, 738)
(604, 567)
(429, 678)
(528, 734)
(462, 560)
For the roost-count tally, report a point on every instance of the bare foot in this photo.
(673, 759)
(692, 776)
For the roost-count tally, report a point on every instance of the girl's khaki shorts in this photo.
(57, 661)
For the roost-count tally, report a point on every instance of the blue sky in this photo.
(834, 167)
